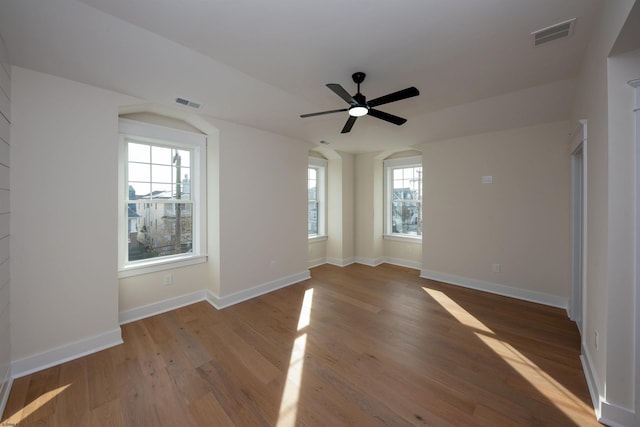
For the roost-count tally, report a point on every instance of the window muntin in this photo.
(316, 193)
(153, 171)
(158, 200)
(163, 198)
(404, 197)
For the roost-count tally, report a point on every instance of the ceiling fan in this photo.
(359, 106)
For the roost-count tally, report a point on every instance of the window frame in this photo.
(146, 133)
(389, 166)
(320, 165)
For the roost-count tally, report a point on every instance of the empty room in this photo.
(287, 213)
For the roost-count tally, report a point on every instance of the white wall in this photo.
(317, 252)
(407, 253)
(64, 287)
(64, 157)
(340, 201)
(601, 99)
(370, 246)
(368, 208)
(621, 189)
(147, 290)
(520, 221)
(256, 220)
(5, 209)
(135, 292)
(263, 208)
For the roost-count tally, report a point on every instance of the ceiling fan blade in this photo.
(340, 91)
(324, 112)
(386, 117)
(395, 96)
(347, 126)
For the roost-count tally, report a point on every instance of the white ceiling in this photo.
(263, 63)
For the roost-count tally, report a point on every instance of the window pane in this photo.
(312, 194)
(158, 168)
(185, 158)
(138, 189)
(139, 172)
(161, 174)
(312, 226)
(161, 155)
(185, 184)
(160, 229)
(406, 216)
(139, 153)
(162, 190)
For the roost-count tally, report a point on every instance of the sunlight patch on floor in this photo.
(289, 403)
(32, 407)
(456, 311)
(305, 310)
(555, 392)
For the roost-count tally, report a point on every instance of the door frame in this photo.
(578, 149)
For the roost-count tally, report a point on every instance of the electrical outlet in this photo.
(168, 279)
(596, 340)
(495, 268)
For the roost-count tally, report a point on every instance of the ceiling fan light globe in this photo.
(358, 111)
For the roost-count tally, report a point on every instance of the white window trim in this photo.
(150, 133)
(388, 184)
(321, 182)
(406, 238)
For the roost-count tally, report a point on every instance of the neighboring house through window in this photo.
(316, 187)
(403, 197)
(162, 198)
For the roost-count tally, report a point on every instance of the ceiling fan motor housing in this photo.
(358, 77)
(360, 100)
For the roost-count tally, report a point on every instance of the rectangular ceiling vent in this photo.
(188, 103)
(554, 32)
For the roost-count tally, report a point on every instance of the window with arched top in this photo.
(162, 198)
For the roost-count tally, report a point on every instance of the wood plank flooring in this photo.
(353, 346)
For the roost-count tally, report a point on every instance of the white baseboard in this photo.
(160, 307)
(616, 416)
(607, 413)
(5, 389)
(65, 353)
(229, 300)
(591, 376)
(340, 262)
(496, 288)
(206, 295)
(371, 262)
(403, 263)
(316, 262)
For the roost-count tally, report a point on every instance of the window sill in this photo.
(416, 240)
(313, 239)
(160, 265)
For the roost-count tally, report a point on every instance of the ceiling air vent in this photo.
(188, 103)
(554, 32)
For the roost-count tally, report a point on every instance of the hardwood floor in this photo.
(356, 346)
